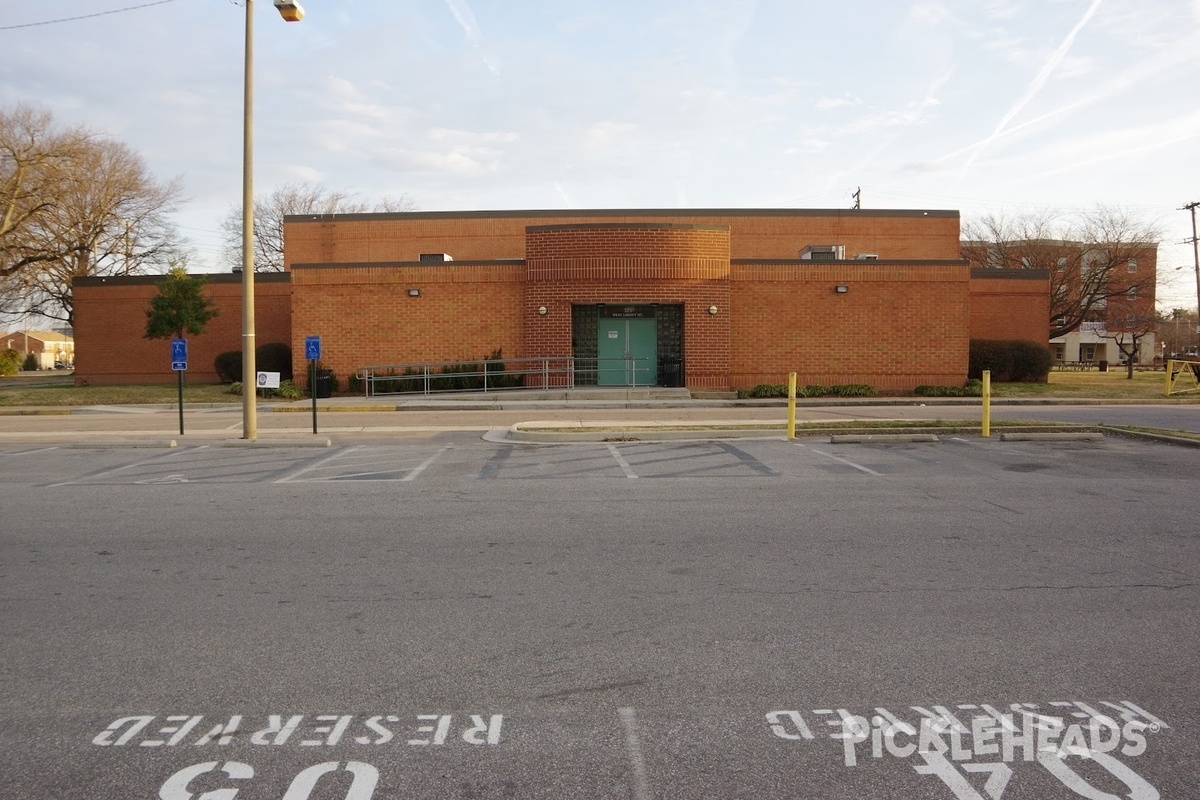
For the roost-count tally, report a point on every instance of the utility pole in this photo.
(1196, 260)
(858, 199)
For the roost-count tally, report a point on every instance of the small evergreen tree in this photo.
(180, 306)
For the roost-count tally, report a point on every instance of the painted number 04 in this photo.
(938, 765)
(362, 788)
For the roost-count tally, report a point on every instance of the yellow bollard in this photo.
(791, 406)
(987, 402)
(1167, 380)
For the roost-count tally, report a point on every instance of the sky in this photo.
(982, 106)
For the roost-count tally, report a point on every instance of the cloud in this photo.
(846, 99)
(604, 136)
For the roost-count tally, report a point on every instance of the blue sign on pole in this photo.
(312, 347)
(179, 354)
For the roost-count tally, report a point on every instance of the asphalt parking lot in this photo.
(453, 617)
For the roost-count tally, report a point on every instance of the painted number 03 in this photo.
(362, 788)
(937, 764)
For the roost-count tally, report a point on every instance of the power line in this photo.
(84, 16)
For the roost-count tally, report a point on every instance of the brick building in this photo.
(710, 299)
(1102, 295)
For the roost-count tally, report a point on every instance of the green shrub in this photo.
(31, 362)
(1009, 360)
(1031, 362)
(973, 388)
(852, 390)
(228, 366)
(10, 362)
(286, 391)
(274, 357)
(811, 390)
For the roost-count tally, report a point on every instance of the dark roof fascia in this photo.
(1011, 274)
(624, 212)
(498, 262)
(845, 262)
(210, 277)
(594, 226)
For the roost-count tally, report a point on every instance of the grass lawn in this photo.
(1112, 385)
(14, 391)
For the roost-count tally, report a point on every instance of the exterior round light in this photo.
(712, 310)
(542, 310)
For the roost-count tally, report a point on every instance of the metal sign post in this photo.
(312, 351)
(179, 364)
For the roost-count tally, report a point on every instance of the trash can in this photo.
(323, 384)
(671, 376)
(1103, 366)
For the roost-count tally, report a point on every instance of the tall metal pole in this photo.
(1196, 259)
(249, 368)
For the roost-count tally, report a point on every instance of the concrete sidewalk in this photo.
(561, 415)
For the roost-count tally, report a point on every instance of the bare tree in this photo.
(74, 204)
(290, 199)
(1129, 322)
(37, 164)
(1177, 330)
(112, 220)
(1091, 258)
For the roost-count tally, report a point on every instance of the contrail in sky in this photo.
(1038, 82)
(462, 13)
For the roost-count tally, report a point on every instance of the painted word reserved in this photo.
(322, 730)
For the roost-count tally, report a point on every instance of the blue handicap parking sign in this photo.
(312, 347)
(178, 353)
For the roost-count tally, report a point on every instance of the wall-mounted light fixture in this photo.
(841, 288)
(414, 292)
(542, 310)
(712, 310)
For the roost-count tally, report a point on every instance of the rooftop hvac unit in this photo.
(435, 258)
(866, 256)
(823, 252)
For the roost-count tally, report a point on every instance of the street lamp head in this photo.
(290, 10)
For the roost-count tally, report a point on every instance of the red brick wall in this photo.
(1010, 307)
(755, 233)
(632, 263)
(110, 326)
(365, 316)
(898, 326)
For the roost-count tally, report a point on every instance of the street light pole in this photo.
(292, 12)
(249, 368)
(1196, 261)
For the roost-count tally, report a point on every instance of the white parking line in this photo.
(30, 452)
(628, 470)
(318, 465)
(641, 786)
(848, 463)
(108, 472)
(421, 467)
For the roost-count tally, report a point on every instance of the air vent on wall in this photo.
(823, 252)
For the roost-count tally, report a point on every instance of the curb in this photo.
(123, 444)
(1052, 437)
(883, 438)
(276, 443)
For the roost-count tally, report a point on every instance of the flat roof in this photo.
(626, 212)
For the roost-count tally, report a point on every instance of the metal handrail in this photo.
(492, 375)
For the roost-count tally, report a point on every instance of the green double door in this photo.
(628, 348)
